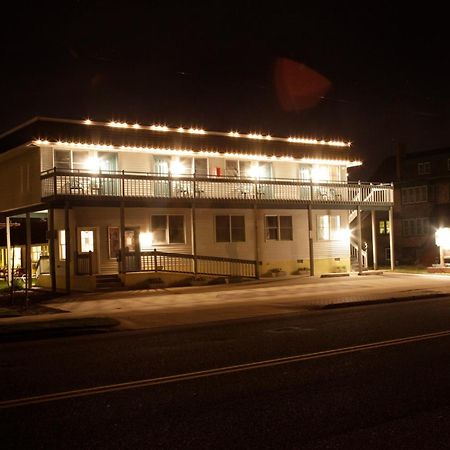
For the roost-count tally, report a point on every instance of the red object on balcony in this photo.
(218, 171)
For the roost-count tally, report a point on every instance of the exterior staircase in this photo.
(108, 282)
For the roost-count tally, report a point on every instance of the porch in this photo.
(133, 185)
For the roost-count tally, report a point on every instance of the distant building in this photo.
(421, 206)
(128, 200)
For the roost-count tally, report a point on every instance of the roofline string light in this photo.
(190, 152)
(201, 131)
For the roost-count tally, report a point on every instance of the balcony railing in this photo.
(57, 182)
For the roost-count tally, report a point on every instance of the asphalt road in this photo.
(372, 377)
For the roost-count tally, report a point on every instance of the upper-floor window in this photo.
(318, 173)
(279, 228)
(414, 194)
(83, 160)
(248, 169)
(230, 229)
(328, 227)
(417, 226)
(168, 229)
(384, 227)
(424, 168)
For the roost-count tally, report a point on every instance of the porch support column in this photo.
(255, 218)
(391, 236)
(122, 265)
(8, 251)
(374, 241)
(194, 237)
(360, 265)
(311, 242)
(68, 246)
(28, 251)
(51, 247)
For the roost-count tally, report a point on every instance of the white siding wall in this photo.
(298, 248)
(331, 249)
(285, 170)
(135, 162)
(46, 158)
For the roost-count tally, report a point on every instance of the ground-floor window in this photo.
(278, 228)
(86, 241)
(168, 229)
(62, 244)
(230, 229)
(328, 227)
(384, 227)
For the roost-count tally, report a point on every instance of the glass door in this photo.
(161, 168)
(107, 162)
(132, 249)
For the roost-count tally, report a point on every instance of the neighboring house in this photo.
(422, 205)
(38, 242)
(127, 200)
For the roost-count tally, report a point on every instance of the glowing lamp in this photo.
(146, 241)
(344, 235)
(442, 237)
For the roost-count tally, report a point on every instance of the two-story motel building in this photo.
(131, 200)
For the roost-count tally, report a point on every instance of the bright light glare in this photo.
(320, 173)
(344, 234)
(177, 167)
(255, 171)
(94, 165)
(443, 238)
(146, 241)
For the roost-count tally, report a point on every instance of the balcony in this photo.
(127, 185)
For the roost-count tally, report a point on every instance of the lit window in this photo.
(384, 227)
(62, 245)
(230, 229)
(328, 228)
(279, 228)
(86, 241)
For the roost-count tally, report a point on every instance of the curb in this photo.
(55, 328)
(380, 301)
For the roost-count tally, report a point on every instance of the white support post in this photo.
(374, 241)
(8, 251)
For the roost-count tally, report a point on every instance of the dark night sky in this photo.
(211, 65)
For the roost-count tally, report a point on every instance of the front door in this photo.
(87, 252)
(132, 249)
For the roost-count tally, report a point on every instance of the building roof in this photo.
(120, 134)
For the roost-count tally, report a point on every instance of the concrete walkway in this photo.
(183, 306)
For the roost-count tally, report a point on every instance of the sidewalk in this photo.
(163, 308)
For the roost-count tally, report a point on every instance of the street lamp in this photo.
(442, 238)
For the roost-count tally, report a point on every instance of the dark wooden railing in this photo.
(84, 263)
(57, 182)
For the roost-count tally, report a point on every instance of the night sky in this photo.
(213, 66)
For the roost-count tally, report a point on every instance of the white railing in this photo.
(57, 182)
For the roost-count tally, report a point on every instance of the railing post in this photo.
(155, 259)
(90, 263)
(123, 183)
(54, 182)
(360, 192)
